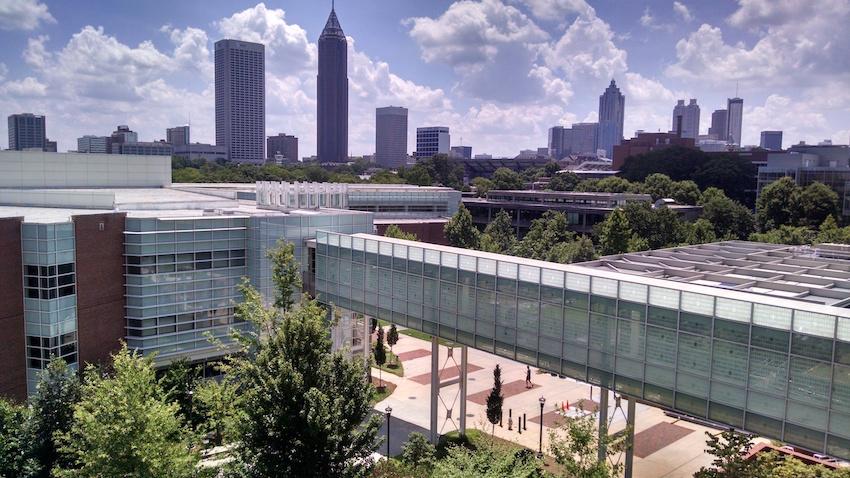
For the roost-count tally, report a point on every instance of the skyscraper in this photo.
(432, 140)
(717, 130)
(556, 142)
(734, 120)
(27, 131)
(240, 99)
(771, 140)
(284, 144)
(391, 136)
(332, 94)
(611, 106)
(178, 135)
(686, 119)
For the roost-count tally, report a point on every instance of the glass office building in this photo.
(50, 296)
(749, 335)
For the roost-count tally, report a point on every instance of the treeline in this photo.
(728, 172)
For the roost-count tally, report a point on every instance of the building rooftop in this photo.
(810, 274)
(59, 205)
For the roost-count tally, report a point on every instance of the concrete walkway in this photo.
(665, 447)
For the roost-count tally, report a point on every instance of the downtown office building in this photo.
(100, 249)
(240, 99)
(748, 335)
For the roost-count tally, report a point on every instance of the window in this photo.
(49, 282)
(40, 350)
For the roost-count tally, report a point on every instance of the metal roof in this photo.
(811, 274)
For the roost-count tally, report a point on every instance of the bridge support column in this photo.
(603, 424)
(435, 387)
(630, 438)
(464, 352)
(448, 406)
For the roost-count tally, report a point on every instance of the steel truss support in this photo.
(437, 384)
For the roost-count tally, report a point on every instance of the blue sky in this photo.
(498, 72)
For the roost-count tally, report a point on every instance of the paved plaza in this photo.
(664, 446)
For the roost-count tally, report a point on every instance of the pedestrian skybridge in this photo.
(749, 335)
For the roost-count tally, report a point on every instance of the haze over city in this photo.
(498, 73)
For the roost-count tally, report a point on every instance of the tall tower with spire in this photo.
(332, 93)
(612, 103)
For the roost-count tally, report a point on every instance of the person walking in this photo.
(528, 383)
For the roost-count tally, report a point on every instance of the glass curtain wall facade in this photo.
(779, 372)
(182, 277)
(265, 231)
(50, 296)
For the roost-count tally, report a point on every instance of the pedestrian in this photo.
(528, 377)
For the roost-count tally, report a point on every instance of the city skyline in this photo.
(656, 51)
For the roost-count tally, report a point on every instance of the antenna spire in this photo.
(332, 5)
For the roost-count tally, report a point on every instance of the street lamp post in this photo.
(540, 451)
(389, 411)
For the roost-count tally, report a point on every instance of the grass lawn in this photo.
(388, 390)
(393, 365)
(414, 333)
(474, 437)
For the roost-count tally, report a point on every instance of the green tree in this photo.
(14, 461)
(460, 231)
(545, 233)
(489, 460)
(731, 219)
(123, 426)
(830, 232)
(395, 232)
(658, 186)
(482, 186)
(418, 452)
(772, 465)
(217, 403)
(729, 449)
(551, 168)
(392, 337)
(563, 182)
(499, 233)
(418, 175)
(614, 233)
(507, 179)
(388, 177)
(638, 244)
(575, 444)
(286, 275)
(686, 192)
(178, 382)
(778, 204)
(785, 235)
(701, 231)
(817, 202)
(579, 250)
(380, 355)
(305, 410)
(51, 411)
(660, 227)
(612, 184)
(495, 399)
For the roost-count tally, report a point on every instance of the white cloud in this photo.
(683, 11)
(4, 70)
(28, 87)
(799, 44)
(469, 33)
(36, 54)
(285, 41)
(587, 48)
(552, 10)
(23, 14)
(191, 48)
(795, 118)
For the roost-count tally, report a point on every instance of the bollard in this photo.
(510, 420)
(524, 422)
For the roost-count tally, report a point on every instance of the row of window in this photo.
(49, 282)
(40, 350)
